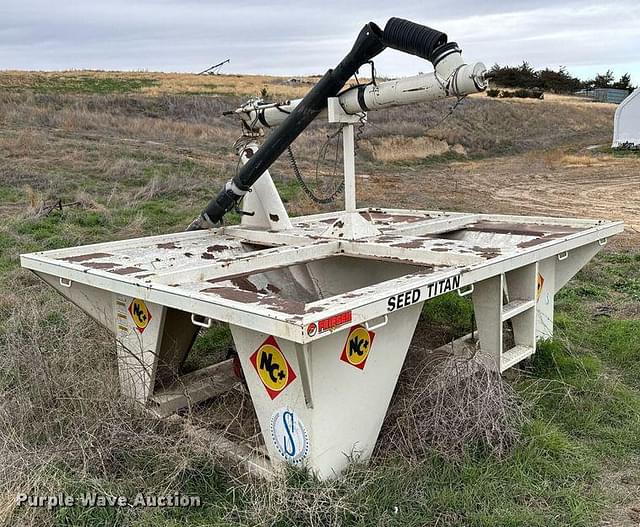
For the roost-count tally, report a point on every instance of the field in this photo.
(133, 154)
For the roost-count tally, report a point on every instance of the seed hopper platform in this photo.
(321, 308)
(321, 324)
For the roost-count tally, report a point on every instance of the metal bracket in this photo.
(65, 282)
(241, 212)
(563, 256)
(385, 319)
(205, 323)
(336, 114)
(467, 292)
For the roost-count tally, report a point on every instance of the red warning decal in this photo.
(357, 347)
(272, 367)
(140, 314)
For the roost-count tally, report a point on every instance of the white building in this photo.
(626, 123)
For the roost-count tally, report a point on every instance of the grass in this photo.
(149, 83)
(85, 84)
(584, 418)
(145, 164)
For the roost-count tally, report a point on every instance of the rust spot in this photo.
(339, 224)
(217, 248)
(542, 239)
(231, 293)
(411, 244)
(84, 257)
(168, 245)
(244, 283)
(522, 229)
(283, 305)
(352, 295)
(100, 265)
(207, 256)
(397, 218)
(273, 288)
(487, 252)
(387, 238)
(188, 255)
(274, 217)
(127, 270)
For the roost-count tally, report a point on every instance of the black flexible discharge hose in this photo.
(399, 34)
(413, 38)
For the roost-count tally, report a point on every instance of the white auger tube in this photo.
(450, 78)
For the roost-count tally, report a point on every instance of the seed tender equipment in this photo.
(322, 308)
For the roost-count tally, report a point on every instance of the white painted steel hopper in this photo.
(321, 323)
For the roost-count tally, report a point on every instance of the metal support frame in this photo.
(304, 294)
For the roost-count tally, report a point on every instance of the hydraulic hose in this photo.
(399, 34)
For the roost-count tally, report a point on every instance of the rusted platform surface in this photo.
(227, 272)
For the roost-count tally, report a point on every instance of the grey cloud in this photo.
(293, 38)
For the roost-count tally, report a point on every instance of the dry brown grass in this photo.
(237, 85)
(63, 422)
(165, 83)
(576, 161)
(451, 405)
(402, 148)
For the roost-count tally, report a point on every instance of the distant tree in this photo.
(624, 83)
(523, 76)
(604, 80)
(558, 81)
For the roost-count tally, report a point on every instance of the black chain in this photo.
(296, 171)
(359, 129)
(303, 184)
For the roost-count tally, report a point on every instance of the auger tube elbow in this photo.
(399, 34)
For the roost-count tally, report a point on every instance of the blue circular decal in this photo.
(289, 435)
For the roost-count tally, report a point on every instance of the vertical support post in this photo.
(487, 306)
(139, 326)
(336, 114)
(348, 148)
(522, 285)
(546, 280)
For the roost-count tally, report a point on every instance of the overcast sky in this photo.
(294, 38)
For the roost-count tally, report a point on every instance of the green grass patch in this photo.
(87, 84)
(450, 311)
(440, 159)
(586, 399)
(211, 346)
(288, 189)
(10, 194)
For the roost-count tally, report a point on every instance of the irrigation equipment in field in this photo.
(322, 308)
